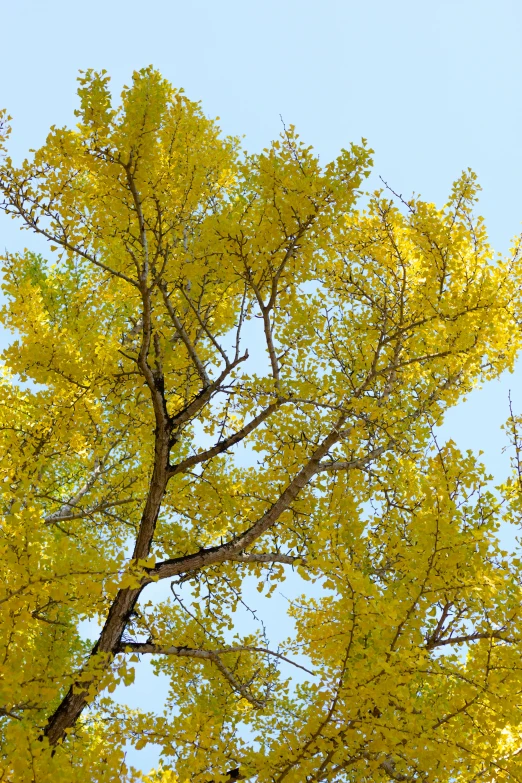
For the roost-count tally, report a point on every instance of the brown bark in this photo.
(76, 699)
(109, 642)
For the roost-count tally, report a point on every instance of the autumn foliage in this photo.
(227, 368)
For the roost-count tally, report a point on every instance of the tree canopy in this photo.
(228, 367)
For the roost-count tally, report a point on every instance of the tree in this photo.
(225, 371)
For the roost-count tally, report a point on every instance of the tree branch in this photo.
(180, 418)
(355, 463)
(254, 557)
(33, 223)
(208, 655)
(473, 637)
(229, 550)
(144, 273)
(190, 652)
(198, 364)
(67, 508)
(225, 444)
(103, 506)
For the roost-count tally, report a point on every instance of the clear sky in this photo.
(435, 87)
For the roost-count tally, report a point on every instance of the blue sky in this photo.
(433, 86)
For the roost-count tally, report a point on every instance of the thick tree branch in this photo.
(252, 557)
(229, 550)
(76, 699)
(431, 643)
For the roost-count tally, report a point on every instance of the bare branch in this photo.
(190, 652)
(203, 324)
(355, 463)
(198, 364)
(144, 273)
(88, 512)
(62, 241)
(9, 714)
(254, 557)
(226, 443)
(209, 655)
(190, 410)
(68, 508)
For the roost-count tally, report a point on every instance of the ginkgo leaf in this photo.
(231, 374)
